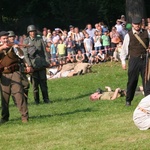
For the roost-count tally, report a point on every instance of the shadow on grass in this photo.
(72, 98)
(63, 114)
(87, 110)
(61, 99)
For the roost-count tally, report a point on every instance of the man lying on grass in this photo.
(110, 94)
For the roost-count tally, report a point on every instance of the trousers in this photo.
(136, 67)
(11, 85)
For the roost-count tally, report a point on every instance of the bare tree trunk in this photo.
(135, 8)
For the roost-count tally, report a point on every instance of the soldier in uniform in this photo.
(134, 45)
(24, 79)
(37, 60)
(11, 80)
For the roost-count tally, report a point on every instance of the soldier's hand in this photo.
(148, 49)
(29, 70)
(4, 46)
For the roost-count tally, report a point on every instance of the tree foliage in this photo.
(17, 15)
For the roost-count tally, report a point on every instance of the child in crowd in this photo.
(92, 58)
(80, 56)
(101, 57)
(88, 45)
(117, 51)
(52, 51)
(70, 45)
(97, 40)
(61, 52)
(106, 41)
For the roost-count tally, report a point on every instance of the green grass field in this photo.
(73, 122)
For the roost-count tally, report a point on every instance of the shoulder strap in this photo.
(140, 40)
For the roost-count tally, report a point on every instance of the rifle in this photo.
(12, 44)
(147, 70)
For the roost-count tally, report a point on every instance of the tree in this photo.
(135, 8)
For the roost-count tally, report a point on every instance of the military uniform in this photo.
(11, 85)
(21, 62)
(37, 58)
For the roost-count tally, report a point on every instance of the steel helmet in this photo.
(31, 28)
(11, 33)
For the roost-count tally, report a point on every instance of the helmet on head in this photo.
(31, 28)
(11, 33)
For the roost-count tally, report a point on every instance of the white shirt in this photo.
(118, 27)
(124, 51)
(125, 45)
(140, 118)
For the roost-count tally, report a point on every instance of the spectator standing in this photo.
(61, 52)
(16, 41)
(78, 38)
(97, 40)
(88, 45)
(44, 36)
(49, 35)
(123, 32)
(98, 27)
(115, 39)
(118, 26)
(117, 51)
(70, 45)
(71, 30)
(53, 52)
(106, 41)
(55, 37)
(123, 19)
(90, 31)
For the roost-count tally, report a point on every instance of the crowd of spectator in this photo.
(93, 44)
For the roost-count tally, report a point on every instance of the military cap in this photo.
(3, 33)
(136, 20)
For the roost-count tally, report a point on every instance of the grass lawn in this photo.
(73, 122)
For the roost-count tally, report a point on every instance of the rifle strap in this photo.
(140, 40)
